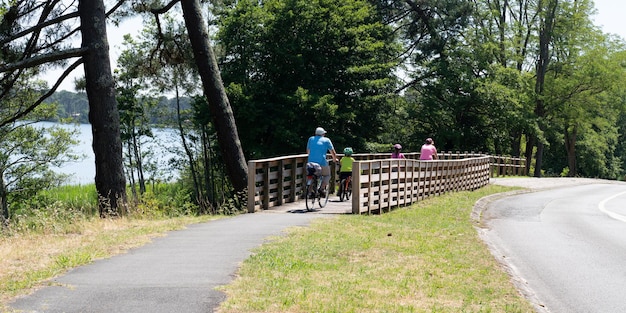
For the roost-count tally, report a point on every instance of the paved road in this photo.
(566, 246)
(175, 273)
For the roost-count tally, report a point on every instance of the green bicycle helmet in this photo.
(347, 151)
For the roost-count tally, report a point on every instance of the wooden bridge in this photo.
(379, 183)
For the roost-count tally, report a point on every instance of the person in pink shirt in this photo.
(429, 152)
(397, 152)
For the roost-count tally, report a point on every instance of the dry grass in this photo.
(28, 260)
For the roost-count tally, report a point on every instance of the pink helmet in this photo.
(397, 146)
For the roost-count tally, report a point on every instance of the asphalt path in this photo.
(175, 273)
(565, 247)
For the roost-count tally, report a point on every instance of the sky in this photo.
(610, 18)
(115, 36)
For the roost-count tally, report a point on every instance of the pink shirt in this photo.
(427, 152)
(398, 155)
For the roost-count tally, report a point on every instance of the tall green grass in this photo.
(60, 209)
(423, 258)
(81, 197)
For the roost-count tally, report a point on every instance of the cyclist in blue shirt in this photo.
(317, 147)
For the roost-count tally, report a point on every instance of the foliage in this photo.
(54, 210)
(45, 217)
(72, 106)
(472, 83)
(295, 65)
(29, 151)
(27, 154)
(134, 119)
(468, 71)
(580, 121)
(159, 60)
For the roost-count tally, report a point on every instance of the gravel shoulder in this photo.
(535, 183)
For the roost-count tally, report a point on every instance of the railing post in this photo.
(266, 186)
(281, 178)
(356, 187)
(251, 186)
(293, 182)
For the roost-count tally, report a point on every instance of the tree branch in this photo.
(422, 15)
(115, 7)
(44, 96)
(39, 27)
(57, 20)
(164, 9)
(44, 58)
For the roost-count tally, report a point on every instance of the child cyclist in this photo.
(345, 171)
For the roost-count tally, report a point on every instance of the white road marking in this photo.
(609, 213)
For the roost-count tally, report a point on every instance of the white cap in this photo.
(319, 131)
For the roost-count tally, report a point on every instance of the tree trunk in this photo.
(131, 173)
(530, 144)
(4, 204)
(103, 114)
(570, 147)
(538, 159)
(219, 106)
(516, 146)
(197, 192)
(209, 168)
(138, 161)
(545, 38)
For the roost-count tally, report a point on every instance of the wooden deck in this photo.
(334, 206)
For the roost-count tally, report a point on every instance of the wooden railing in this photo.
(385, 184)
(379, 183)
(508, 166)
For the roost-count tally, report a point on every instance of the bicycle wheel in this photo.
(310, 194)
(324, 200)
(349, 190)
(342, 190)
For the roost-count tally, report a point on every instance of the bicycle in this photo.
(313, 186)
(345, 175)
(345, 188)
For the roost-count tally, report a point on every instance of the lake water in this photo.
(84, 171)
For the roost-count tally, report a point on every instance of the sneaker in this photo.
(322, 193)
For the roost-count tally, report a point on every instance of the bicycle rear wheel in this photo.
(324, 200)
(310, 195)
(342, 190)
(349, 190)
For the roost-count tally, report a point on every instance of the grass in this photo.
(423, 258)
(74, 194)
